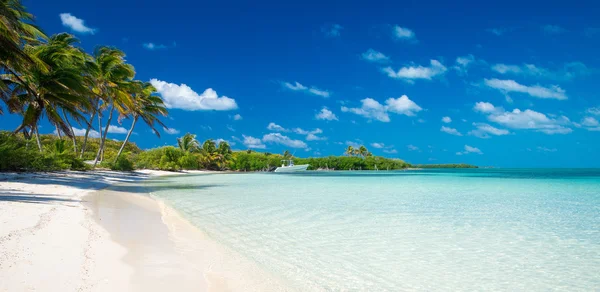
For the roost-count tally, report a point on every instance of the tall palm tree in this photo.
(147, 106)
(188, 143)
(362, 151)
(113, 85)
(349, 151)
(40, 92)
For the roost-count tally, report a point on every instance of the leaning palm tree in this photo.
(113, 85)
(349, 151)
(47, 90)
(362, 151)
(188, 143)
(147, 106)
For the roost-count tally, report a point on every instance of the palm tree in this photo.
(113, 85)
(209, 146)
(349, 151)
(16, 30)
(287, 154)
(146, 106)
(45, 90)
(362, 151)
(188, 143)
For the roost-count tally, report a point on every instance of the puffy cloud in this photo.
(450, 131)
(153, 46)
(484, 131)
(296, 86)
(326, 114)
(252, 142)
(276, 127)
(553, 29)
(81, 132)
(412, 147)
(116, 130)
(237, 117)
(403, 33)
(589, 122)
(310, 135)
(378, 145)
(390, 151)
(332, 30)
(75, 24)
(412, 73)
(567, 72)
(463, 63)
(484, 107)
(447, 120)
(525, 120)
(277, 138)
(375, 56)
(372, 109)
(553, 92)
(171, 131)
(469, 149)
(594, 111)
(183, 97)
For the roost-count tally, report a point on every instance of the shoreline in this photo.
(104, 232)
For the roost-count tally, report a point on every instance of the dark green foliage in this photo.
(19, 154)
(122, 164)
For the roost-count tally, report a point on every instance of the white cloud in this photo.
(332, 30)
(484, 107)
(75, 24)
(326, 114)
(81, 132)
(412, 147)
(594, 111)
(313, 137)
(589, 122)
(375, 56)
(390, 151)
(447, 120)
(469, 149)
(450, 131)
(171, 131)
(545, 149)
(463, 63)
(183, 97)
(412, 73)
(403, 33)
(378, 145)
(277, 138)
(372, 109)
(567, 72)
(252, 142)
(553, 29)
(276, 127)
(116, 130)
(506, 86)
(153, 46)
(525, 120)
(484, 131)
(353, 144)
(312, 90)
(237, 117)
(310, 135)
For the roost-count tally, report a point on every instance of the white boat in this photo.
(290, 167)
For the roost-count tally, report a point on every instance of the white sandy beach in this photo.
(58, 233)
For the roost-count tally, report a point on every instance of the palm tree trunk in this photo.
(100, 130)
(72, 132)
(101, 148)
(37, 137)
(87, 132)
(59, 134)
(126, 138)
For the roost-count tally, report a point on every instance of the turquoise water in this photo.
(444, 230)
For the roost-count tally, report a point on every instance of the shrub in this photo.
(122, 164)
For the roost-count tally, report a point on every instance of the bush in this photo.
(122, 164)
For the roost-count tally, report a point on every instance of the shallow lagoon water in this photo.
(452, 230)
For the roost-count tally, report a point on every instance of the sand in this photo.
(58, 232)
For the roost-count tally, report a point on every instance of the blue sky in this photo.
(513, 84)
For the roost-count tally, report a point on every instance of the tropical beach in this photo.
(350, 147)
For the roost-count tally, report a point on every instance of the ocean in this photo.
(423, 230)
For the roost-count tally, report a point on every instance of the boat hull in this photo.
(294, 168)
